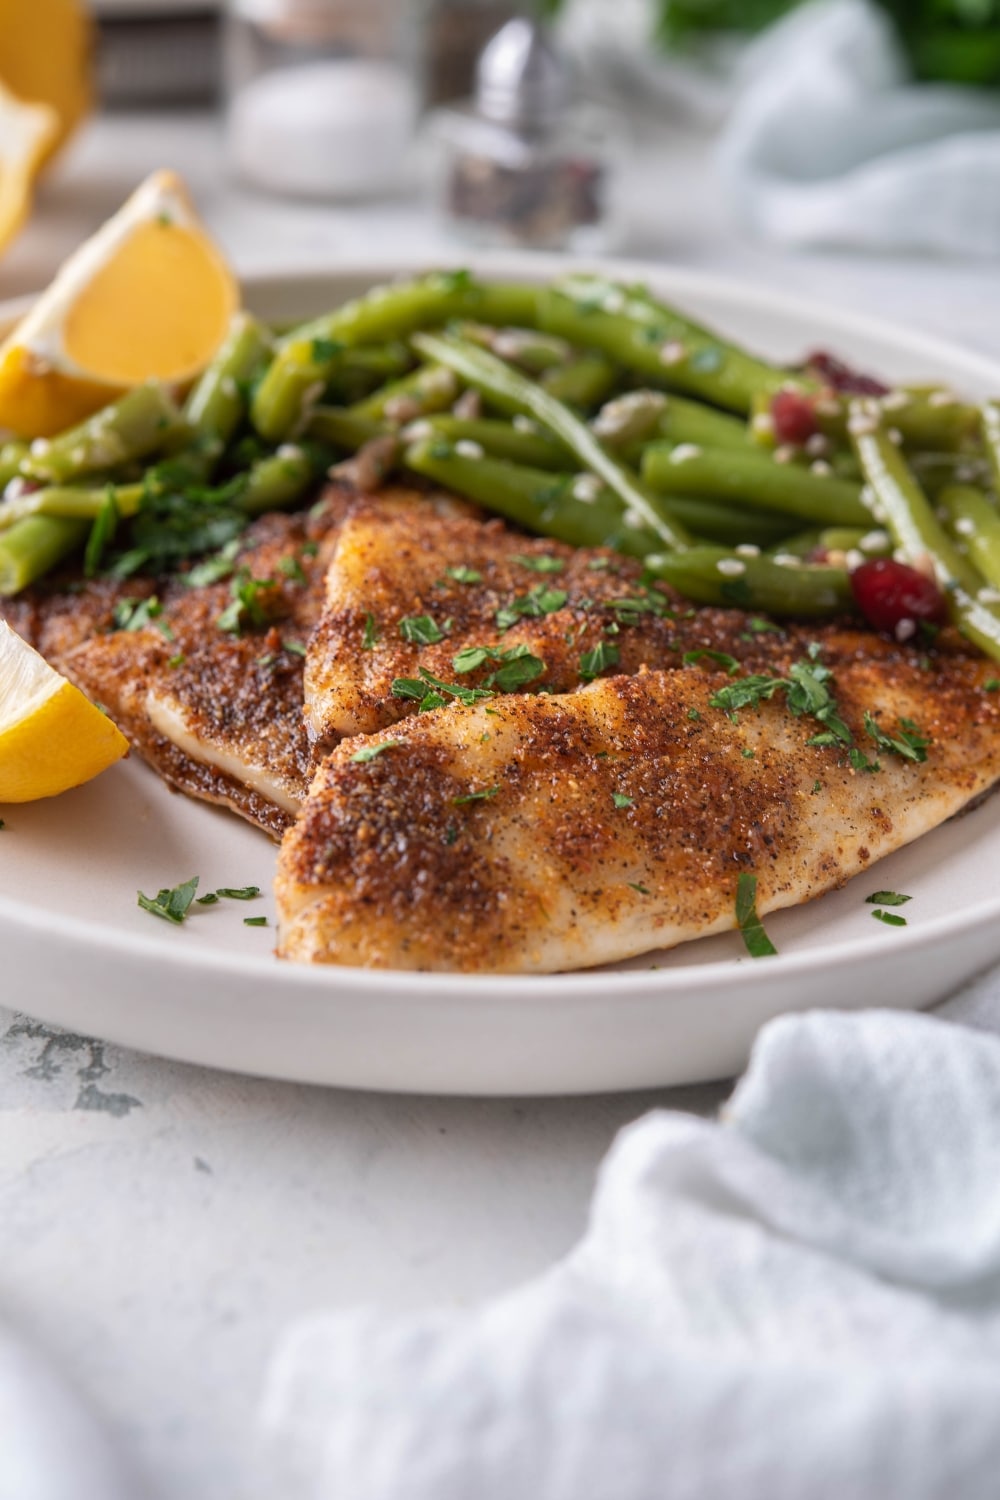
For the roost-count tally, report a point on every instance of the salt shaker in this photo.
(322, 95)
(521, 164)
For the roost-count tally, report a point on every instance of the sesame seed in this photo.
(861, 425)
(827, 407)
(524, 424)
(290, 451)
(787, 560)
(614, 302)
(784, 455)
(672, 352)
(942, 398)
(817, 445)
(874, 541)
(763, 423)
(634, 520)
(683, 452)
(416, 432)
(853, 558)
(988, 595)
(39, 446)
(965, 526)
(747, 549)
(896, 400)
(895, 436)
(586, 487)
(731, 567)
(465, 448)
(905, 630)
(821, 467)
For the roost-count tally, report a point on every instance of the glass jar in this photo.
(322, 95)
(521, 163)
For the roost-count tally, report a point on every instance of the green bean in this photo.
(641, 416)
(70, 503)
(33, 546)
(753, 479)
(133, 427)
(718, 521)
(713, 575)
(218, 402)
(646, 336)
(937, 471)
(499, 439)
(12, 456)
(917, 532)
(530, 350)
(989, 418)
(309, 357)
(278, 481)
(515, 393)
(925, 419)
(533, 498)
(431, 388)
(363, 369)
(975, 527)
(583, 382)
(340, 428)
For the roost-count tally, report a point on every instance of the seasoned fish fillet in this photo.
(461, 574)
(218, 713)
(539, 833)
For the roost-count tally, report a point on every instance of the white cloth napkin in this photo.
(800, 1300)
(827, 142)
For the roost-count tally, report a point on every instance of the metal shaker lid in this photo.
(520, 77)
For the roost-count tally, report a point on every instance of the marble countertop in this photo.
(161, 1223)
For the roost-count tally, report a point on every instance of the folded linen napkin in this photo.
(828, 143)
(802, 1299)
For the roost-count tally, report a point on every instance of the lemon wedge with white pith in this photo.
(51, 736)
(27, 131)
(149, 297)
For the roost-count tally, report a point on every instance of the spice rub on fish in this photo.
(538, 833)
(208, 687)
(417, 596)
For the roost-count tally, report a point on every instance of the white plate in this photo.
(78, 951)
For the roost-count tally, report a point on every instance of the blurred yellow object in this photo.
(45, 58)
(27, 131)
(149, 297)
(51, 736)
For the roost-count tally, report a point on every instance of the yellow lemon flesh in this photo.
(149, 297)
(26, 132)
(51, 736)
(45, 59)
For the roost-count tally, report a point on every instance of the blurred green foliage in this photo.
(957, 41)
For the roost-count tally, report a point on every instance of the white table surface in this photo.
(159, 1224)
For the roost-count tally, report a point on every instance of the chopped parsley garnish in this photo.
(214, 569)
(887, 898)
(247, 605)
(889, 918)
(722, 657)
(430, 692)
(210, 899)
(369, 752)
(542, 564)
(806, 690)
(693, 714)
(295, 648)
(628, 610)
(292, 568)
(420, 630)
(746, 753)
(254, 921)
(372, 634)
(759, 627)
(599, 564)
(180, 518)
(758, 944)
(518, 666)
(991, 685)
(637, 885)
(323, 351)
(172, 904)
(540, 601)
(910, 744)
(482, 796)
(450, 834)
(620, 799)
(817, 787)
(136, 614)
(178, 660)
(592, 663)
(238, 893)
(464, 575)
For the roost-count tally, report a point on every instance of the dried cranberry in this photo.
(794, 418)
(891, 595)
(840, 377)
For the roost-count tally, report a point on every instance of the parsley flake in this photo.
(254, 921)
(295, 648)
(909, 744)
(464, 575)
(541, 564)
(102, 533)
(887, 898)
(722, 657)
(482, 796)
(292, 569)
(637, 885)
(889, 918)
(694, 714)
(238, 893)
(420, 630)
(991, 685)
(369, 752)
(533, 606)
(172, 903)
(758, 944)
(620, 799)
(247, 605)
(372, 634)
(592, 663)
(430, 692)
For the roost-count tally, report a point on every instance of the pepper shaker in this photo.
(522, 164)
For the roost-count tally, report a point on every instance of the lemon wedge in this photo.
(149, 297)
(51, 736)
(45, 48)
(26, 133)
